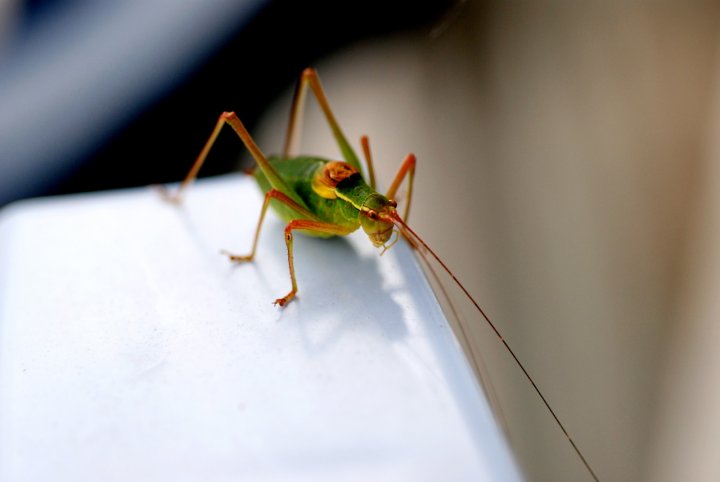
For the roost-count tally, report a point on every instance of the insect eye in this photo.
(372, 214)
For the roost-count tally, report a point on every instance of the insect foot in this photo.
(236, 258)
(166, 195)
(285, 299)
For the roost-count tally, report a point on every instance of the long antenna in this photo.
(478, 366)
(404, 227)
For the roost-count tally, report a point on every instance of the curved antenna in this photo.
(409, 233)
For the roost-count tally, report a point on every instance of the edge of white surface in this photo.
(129, 346)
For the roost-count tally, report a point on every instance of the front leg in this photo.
(306, 225)
(406, 168)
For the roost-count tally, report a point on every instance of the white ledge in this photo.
(131, 350)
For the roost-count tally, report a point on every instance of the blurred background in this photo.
(567, 172)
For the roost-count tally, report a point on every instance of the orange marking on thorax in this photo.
(329, 176)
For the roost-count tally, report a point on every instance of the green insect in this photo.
(319, 197)
(326, 198)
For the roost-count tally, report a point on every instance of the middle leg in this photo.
(271, 194)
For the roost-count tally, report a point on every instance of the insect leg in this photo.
(406, 168)
(232, 119)
(309, 77)
(271, 194)
(306, 225)
(365, 143)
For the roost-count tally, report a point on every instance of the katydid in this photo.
(326, 198)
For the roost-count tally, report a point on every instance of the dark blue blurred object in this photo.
(100, 95)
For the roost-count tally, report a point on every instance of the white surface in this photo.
(131, 350)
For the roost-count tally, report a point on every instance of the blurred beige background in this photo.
(568, 171)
